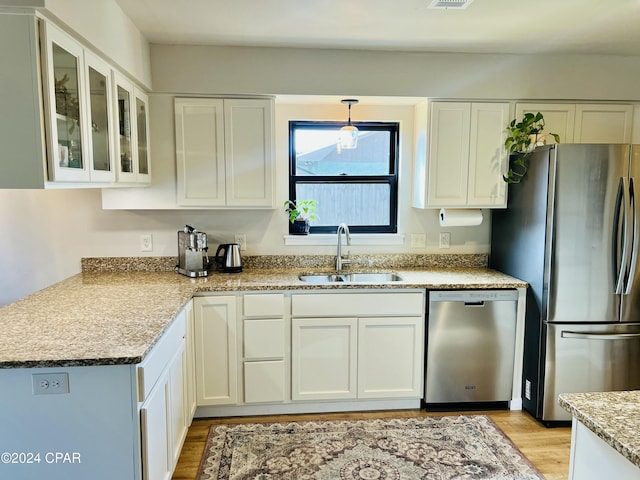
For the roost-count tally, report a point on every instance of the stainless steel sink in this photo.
(319, 278)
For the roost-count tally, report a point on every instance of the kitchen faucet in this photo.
(340, 262)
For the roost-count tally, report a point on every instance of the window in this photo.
(358, 186)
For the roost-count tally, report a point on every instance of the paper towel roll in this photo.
(460, 217)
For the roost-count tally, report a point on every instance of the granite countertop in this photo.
(109, 318)
(612, 416)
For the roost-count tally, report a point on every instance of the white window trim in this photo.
(356, 239)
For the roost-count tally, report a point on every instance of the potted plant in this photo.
(300, 213)
(522, 139)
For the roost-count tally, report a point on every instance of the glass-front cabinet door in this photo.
(125, 153)
(132, 125)
(142, 137)
(101, 132)
(65, 96)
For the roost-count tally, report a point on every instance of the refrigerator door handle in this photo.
(634, 238)
(599, 336)
(618, 267)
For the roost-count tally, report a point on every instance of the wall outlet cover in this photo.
(50, 383)
(146, 243)
(241, 239)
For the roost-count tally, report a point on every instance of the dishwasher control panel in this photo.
(473, 295)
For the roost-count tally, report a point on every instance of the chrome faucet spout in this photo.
(340, 262)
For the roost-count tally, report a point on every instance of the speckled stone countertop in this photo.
(108, 318)
(612, 416)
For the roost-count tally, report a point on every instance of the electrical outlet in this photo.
(418, 240)
(527, 389)
(241, 239)
(445, 239)
(50, 383)
(146, 243)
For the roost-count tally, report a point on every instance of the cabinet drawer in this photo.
(150, 369)
(264, 305)
(357, 304)
(264, 381)
(264, 338)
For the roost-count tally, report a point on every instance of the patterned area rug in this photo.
(447, 447)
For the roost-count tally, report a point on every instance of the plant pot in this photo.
(300, 227)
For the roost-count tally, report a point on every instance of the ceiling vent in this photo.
(455, 4)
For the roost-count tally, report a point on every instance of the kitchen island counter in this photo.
(613, 416)
(111, 318)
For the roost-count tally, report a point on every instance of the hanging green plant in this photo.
(522, 139)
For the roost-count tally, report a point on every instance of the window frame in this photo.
(390, 179)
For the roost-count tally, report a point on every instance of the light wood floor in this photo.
(546, 448)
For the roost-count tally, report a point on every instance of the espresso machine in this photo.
(193, 259)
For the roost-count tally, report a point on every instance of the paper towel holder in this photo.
(460, 217)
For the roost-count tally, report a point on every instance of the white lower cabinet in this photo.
(324, 358)
(190, 397)
(216, 350)
(163, 392)
(155, 433)
(264, 381)
(264, 348)
(390, 353)
(349, 358)
(297, 351)
(374, 351)
(177, 408)
(593, 459)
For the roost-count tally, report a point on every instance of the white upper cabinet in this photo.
(200, 151)
(460, 157)
(102, 126)
(65, 107)
(635, 133)
(583, 123)
(63, 126)
(603, 124)
(559, 118)
(224, 152)
(131, 143)
(248, 148)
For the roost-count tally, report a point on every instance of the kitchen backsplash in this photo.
(384, 261)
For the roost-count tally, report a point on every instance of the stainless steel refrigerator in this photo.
(571, 230)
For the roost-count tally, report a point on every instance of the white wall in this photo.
(103, 25)
(234, 70)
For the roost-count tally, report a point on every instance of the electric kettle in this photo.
(229, 260)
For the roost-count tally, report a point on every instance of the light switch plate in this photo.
(418, 240)
(445, 239)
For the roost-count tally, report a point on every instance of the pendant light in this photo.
(348, 133)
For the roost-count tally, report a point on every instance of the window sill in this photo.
(356, 239)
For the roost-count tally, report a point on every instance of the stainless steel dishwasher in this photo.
(470, 346)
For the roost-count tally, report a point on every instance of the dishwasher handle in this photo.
(474, 304)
